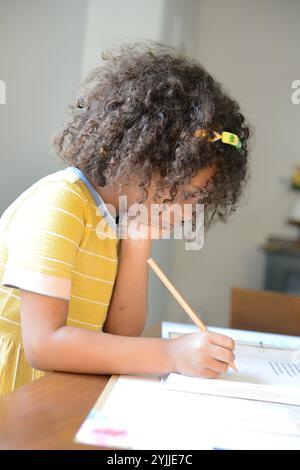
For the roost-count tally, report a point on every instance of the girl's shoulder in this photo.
(63, 189)
(64, 184)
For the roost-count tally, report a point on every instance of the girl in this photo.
(148, 126)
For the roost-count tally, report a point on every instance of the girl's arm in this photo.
(128, 306)
(51, 345)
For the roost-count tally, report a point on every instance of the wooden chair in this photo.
(266, 311)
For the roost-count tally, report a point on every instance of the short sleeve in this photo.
(43, 239)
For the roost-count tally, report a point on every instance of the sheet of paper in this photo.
(141, 414)
(270, 339)
(136, 415)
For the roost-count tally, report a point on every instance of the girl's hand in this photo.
(200, 354)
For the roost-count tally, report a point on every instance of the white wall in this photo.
(252, 47)
(109, 23)
(40, 58)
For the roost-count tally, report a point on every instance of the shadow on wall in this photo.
(179, 25)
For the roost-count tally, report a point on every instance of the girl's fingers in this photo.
(216, 366)
(222, 340)
(222, 354)
(208, 374)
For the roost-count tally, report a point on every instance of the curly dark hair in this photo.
(137, 117)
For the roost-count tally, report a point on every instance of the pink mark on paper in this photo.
(110, 432)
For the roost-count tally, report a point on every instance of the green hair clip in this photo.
(226, 137)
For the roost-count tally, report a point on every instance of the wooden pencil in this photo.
(186, 307)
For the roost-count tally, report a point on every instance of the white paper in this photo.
(141, 414)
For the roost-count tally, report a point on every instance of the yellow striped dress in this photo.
(57, 239)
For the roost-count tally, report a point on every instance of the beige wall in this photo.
(253, 48)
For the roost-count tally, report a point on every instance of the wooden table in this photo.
(47, 413)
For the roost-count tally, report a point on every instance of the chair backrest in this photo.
(267, 311)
